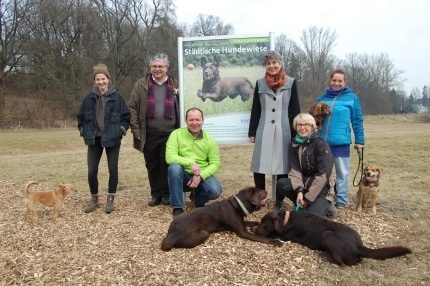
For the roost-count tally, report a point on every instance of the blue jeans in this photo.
(93, 160)
(209, 189)
(341, 164)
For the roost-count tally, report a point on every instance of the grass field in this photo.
(123, 248)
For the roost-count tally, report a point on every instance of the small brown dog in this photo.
(50, 198)
(318, 111)
(368, 188)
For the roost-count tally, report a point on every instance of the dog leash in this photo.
(298, 208)
(360, 164)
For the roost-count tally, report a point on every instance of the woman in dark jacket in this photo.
(103, 119)
(309, 183)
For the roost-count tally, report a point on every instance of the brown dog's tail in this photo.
(27, 186)
(384, 252)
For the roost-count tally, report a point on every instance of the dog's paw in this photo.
(276, 242)
(199, 93)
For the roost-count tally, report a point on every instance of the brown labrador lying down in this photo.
(342, 243)
(191, 229)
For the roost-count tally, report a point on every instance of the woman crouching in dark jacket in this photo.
(309, 184)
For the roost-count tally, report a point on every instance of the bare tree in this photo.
(55, 52)
(373, 78)
(318, 45)
(12, 16)
(208, 25)
(425, 96)
(293, 55)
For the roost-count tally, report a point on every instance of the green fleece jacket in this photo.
(183, 149)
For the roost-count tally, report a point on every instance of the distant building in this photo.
(419, 108)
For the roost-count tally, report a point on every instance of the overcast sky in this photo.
(398, 28)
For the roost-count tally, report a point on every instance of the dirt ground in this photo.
(123, 248)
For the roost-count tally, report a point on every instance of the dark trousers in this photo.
(93, 160)
(260, 180)
(154, 153)
(285, 189)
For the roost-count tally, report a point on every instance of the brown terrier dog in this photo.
(318, 111)
(50, 198)
(368, 188)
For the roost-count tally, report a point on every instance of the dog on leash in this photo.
(342, 243)
(319, 111)
(218, 88)
(368, 188)
(50, 198)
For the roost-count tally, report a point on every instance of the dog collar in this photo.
(245, 211)
(287, 216)
(371, 183)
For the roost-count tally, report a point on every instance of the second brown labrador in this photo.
(342, 243)
(191, 229)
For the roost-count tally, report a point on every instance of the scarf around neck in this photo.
(335, 92)
(300, 139)
(150, 101)
(277, 80)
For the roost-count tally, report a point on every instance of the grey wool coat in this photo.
(271, 121)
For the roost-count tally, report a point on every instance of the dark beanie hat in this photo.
(101, 68)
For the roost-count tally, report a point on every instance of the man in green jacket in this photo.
(193, 158)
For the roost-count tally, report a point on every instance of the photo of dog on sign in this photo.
(217, 88)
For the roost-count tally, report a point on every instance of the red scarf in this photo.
(277, 80)
(150, 101)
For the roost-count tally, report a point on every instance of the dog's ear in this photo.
(254, 197)
(203, 61)
(379, 172)
(278, 222)
(319, 108)
(325, 109)
(316, 109)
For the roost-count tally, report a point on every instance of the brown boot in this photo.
(109, 204)
(93, 204)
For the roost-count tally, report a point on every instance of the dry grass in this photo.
(123, 248)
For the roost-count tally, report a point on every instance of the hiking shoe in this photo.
(177, 211)
(340, 206)
(93, 204)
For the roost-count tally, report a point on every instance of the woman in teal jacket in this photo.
(345, 115)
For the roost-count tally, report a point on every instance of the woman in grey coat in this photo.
(275, 104)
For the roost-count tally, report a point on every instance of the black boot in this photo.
(93, 204)
(109, 204)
